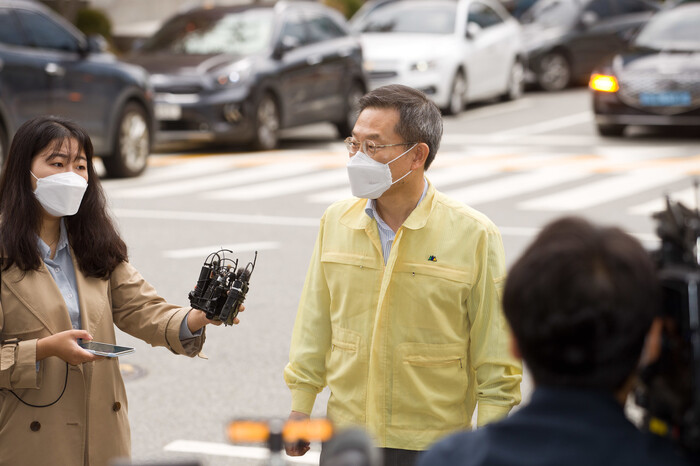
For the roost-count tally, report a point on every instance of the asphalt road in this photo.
(522, 163)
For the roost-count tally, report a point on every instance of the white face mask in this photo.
(370, 179)
(60, 194)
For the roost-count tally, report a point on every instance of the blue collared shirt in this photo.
(63, 273)
(386, 234)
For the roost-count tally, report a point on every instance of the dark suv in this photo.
(49, 67)
(238, 74)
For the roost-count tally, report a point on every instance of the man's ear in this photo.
(420, 153)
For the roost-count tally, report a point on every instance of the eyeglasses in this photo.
(369, 147)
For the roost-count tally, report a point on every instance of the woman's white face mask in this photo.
(60, 194)
(370, 179)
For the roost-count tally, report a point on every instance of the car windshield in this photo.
(549, 13)
(674, 30)
(240, 33)
(423, 19)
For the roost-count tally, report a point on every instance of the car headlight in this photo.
(424, 65)
(234, 75)
(603, 83)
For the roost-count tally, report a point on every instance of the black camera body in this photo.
(221, 287)
(669, 388)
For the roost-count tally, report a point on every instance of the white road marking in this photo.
(230, 177)
(514, 185)
(216, 217)
(544, 126)
(201, 166)
(235, 451)
(206, 250)
(688, 197)
(439, 177)
(282, 187)
(600, 192)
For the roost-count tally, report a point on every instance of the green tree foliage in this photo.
(91, 21)
(346, 7)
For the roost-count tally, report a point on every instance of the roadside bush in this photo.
(91, 21)
(346, 7)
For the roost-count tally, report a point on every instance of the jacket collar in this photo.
(357, 219)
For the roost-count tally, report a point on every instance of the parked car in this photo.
(241, 73)
(49, 67)
(566, 39)
(657, 81)
(455, 51)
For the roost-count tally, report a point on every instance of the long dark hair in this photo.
(96, 244)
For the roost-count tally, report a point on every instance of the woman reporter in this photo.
(65, 276)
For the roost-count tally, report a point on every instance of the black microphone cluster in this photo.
(222, 286)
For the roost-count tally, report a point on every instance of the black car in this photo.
(49, 67)
(239, 74)
(657, 81)
(566, 39)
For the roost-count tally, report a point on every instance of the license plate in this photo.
(165, 111)
(665, 99)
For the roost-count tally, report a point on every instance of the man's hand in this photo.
(197, 319)
(65, 346)
(301, 447)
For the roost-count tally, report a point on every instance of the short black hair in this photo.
(580, 302)
(419, 118)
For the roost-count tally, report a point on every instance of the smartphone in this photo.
(105, 349)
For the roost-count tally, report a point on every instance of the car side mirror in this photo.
(589, 18)
(473, 30)
(96, 43)
(286, 44)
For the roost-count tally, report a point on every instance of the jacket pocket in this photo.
(429, 386)
(353, 283)
(346, 377)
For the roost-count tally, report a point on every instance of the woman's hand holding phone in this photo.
(64, 345)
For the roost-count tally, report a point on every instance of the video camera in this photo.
(670, 387)
(222, 286)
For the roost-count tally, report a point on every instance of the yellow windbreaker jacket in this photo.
(409, 348)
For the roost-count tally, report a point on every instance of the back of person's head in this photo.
(419, 118)
(580, 302)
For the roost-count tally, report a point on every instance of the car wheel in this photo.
(458, 98)
(267, 123)
(352, 108)
(516, 82)
(554, 72)
(611, 130)
(132, 143)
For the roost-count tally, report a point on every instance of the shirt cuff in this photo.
(490, 413)
(185, 333)
(303, 401)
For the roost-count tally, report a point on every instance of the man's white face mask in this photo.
(60, 194)
(370, 179)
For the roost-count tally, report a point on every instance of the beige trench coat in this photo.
(89, 424)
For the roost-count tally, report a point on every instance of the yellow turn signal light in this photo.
(320, 430)
(604, 83)
(312, 430)
(248, 431)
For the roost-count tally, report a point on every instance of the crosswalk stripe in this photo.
(600, 192)
(514, 185)
(688, 197)
(236, 451)
(201, 167)
(204, 251)
(282, 187)
(204, 183)
(439, 177)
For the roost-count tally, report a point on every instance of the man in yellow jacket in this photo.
(400, 314)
